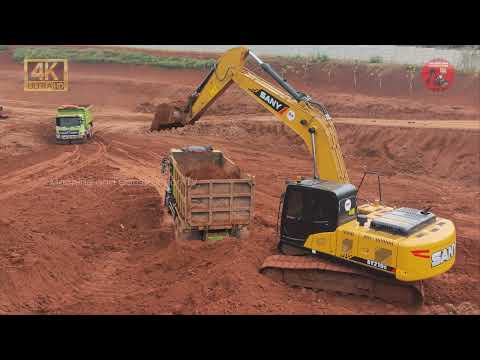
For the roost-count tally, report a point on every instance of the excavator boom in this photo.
(308, 119)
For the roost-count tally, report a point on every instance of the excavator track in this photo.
(321, 274)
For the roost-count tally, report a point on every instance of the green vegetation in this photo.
(376, 60)
(295, 58)
(457, 47)
(320, 58)
(96, 56)
(312, 59)
(3, 47)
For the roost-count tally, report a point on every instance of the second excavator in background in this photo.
(370, 249)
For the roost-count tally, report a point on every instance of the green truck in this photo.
(74, 123)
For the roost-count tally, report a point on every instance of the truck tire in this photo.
(241, 234)
(179, 234)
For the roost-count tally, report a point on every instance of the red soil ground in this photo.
(83, 228)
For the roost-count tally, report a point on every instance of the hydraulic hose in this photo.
(285, 85)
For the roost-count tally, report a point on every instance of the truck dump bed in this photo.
(87, 107)
(210, 191)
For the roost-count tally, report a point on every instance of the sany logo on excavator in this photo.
(274, 103)
(438, 257)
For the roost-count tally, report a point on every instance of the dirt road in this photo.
(83, 228)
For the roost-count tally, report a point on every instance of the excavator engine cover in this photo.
(403, 221)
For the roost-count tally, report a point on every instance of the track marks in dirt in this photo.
(41, 174)
(82, 255)
(134, 166)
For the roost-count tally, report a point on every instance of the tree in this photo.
(355, 72)
(329, 69)
(411, 73)
(377, 72)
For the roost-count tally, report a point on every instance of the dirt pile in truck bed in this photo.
(199, 168)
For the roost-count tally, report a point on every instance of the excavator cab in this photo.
(315, 206)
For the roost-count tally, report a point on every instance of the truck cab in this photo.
(74, 123)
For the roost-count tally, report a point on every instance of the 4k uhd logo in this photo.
(46, 74)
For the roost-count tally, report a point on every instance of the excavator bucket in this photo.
(168, 117)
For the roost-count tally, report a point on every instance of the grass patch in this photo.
(320, 58)
(313, 59)
(99, 56)
(294, 58)
(3, 47)
(376, 60)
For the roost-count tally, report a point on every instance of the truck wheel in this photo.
(241, 234)
(235, 232)
(178, 234)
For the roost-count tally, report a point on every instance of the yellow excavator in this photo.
(370, 249)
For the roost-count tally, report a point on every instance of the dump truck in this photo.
(74, 123)
(207, 194)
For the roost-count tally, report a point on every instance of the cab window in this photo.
(294, 203)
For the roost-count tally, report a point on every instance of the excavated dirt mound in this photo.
(439, 153)
(204, 167)
(210, 171)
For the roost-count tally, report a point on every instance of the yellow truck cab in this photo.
(74, 123)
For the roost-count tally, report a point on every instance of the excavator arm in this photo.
(308, 119)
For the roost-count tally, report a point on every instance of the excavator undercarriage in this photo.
(298, 269)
